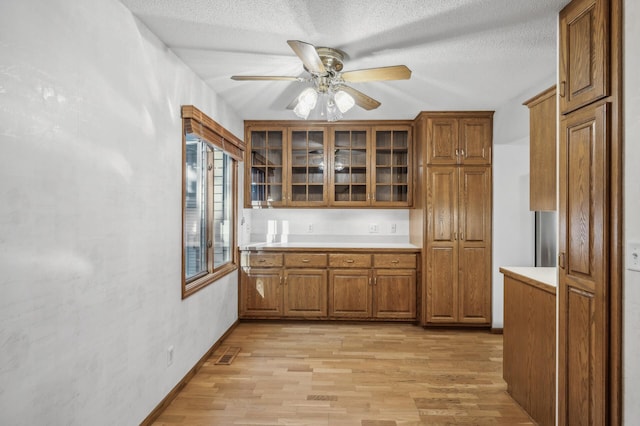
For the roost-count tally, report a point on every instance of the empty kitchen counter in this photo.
(530, 339)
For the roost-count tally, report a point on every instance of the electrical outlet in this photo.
(373, 228)
(169, 355)
(393, 228)
(633, 256)
(310, 228)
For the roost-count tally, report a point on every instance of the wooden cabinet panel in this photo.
(350, 292)
(584, 53)
(442, 287)
(349, 260)
(264, 260)
(391, 175)
(542, 151)
(529, 348)
(443, 141)
(462, 140)
(475, 141)
(458, 267)
(395, 294)
(260, 293)
(394, 261)
(474, 293)
(305, 260)
(305, 292)
(442, 206)
(583, 284)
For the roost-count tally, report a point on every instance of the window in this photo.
(209, 200)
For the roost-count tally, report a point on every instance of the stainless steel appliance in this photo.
(546, 229)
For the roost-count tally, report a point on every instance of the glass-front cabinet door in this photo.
(266, 168)
(308, 158)
(350, 182)
(391, 177)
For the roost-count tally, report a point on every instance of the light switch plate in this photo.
(633, 256)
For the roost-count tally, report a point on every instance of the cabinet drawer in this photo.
(305, 260)
(345, 260)
(263, 260)
(394, 261)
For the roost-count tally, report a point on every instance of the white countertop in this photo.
(544, 275)
(338, 245)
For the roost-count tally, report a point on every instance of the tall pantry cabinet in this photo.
(455, 187)
(590, 183)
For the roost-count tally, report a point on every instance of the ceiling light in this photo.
(344, 101)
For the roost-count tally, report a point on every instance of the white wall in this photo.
(513, 223)
(330, 225)
(90, 188)
(631, 292)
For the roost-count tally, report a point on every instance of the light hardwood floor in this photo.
(291, 373)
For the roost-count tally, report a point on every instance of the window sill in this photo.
(194, 286)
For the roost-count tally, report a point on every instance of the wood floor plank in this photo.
(334, 374)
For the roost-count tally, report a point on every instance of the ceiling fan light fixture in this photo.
(302, 110)
(333, 112)
(344, 101)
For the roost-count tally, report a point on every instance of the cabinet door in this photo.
(474, 245)
(307, 159)
(542, 152)
(305, 292)
(350, 293)
(442, 141)
(260, 293)
(394, 294)
(442, 251)
(584, 58)
(265, 169)
(583, 290)
(350, 177)
(475, 141)
(391, 173)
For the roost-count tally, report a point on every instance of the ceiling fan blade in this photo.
(397, 72)
(293, 103)
(362, 100)
(266, 77)
(308, 55)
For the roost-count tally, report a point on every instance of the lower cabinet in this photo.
(328, 285)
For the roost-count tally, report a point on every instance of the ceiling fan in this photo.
(324, 64)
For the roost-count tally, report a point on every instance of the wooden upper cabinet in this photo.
(584, 53)
(352, 164)
(458, 138)
(349, 180)
(542, 151)
(475, 141)
(391, 175)
(307, 165)
(265, 169)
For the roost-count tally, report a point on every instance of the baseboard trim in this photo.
(153, 416)
(497, 331)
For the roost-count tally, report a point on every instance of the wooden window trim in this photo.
(196, 122)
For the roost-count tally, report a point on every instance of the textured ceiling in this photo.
(464, 54)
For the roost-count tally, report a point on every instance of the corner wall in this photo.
(90, 216)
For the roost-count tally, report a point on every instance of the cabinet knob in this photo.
(395, 261)
(305, 261)
(349, 260)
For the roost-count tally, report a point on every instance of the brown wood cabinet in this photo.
(590, 213)
(458, 138)
(542, 151)
(584, 53)
(583, 248)
(529, 367)
(346, 164)
(452, 216)
(329, 285)
(458, 249)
